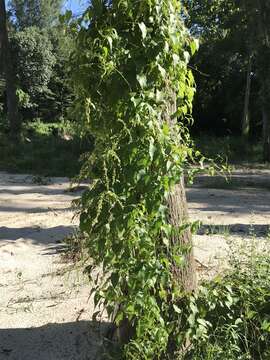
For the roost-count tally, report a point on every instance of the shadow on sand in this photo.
(81, 340)
(36, 234)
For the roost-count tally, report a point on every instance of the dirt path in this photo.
(238, 210)
(44, 307)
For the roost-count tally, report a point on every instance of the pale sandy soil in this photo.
(44, 306)
(239, 213)
(45, 309)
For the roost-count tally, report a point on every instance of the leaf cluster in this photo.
(229, 318)
(130, 71)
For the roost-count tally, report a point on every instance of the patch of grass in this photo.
(223, 230)
(229, 317)
(233, 148)
(231, 182)
(45, 149)
(75, 249)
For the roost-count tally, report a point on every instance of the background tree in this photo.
(132, 83)
(34, 62)
(59, 95)
(222, 63)
(39, 13)
(8, 70)
(232, 66)
(40, 48)
(263, 58)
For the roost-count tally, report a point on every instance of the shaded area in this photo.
(242, 201)
(42, 190)
(236, 229)
(35, 190)
(36, 234)
(32, 210)
(236, 180)
(80, 340)
(60, 248)
(44, 154)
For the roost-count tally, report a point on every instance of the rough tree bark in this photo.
(264, 73)
(178, 212)
(178, 215)
(185, 275)
(7, 64)
(246, 119)
(266, 134)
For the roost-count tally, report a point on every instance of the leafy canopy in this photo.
(34, 61)
(40, 13)
(129, 66)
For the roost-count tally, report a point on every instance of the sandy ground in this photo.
(238, 211)
(45, 309)
(44, 306)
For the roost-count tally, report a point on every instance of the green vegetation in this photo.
(229, 317)
(51, 149)
(133, 83)
(40, 13)
(34, 73)
(235, 149)
(116, 88)
(232, 67)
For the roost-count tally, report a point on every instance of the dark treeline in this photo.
(38, 133)
(232, 67)
(35, 61)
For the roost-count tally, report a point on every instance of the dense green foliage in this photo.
(40, 55)
(39, 13)
(229, 317)
(130, 64)
(34, 62)
(230, 34)
(44, 149)
(59, 95)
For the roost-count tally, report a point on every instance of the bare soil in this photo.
(45, 309)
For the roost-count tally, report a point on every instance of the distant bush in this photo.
(234, 148)
(48, 149)
(229, 317)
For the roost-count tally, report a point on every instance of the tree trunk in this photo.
(185, 275)
(6, 60)
(178, 212)
(264, 73)
(266, 134)
(246, 120)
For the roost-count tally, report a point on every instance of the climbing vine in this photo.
(129, 68)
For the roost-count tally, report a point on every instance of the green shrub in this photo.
(229, 317)
(234, 148)
(47, 149)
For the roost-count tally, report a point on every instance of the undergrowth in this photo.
(236, 149)
(229, 317)
(47, 149)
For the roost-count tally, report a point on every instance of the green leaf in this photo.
(143, 29)
(194, 46)
(177, 309)
(142, 80)
(162, 71)
(179, 260)
(165, 241)
(176, 59)
(152, 149)
(186, 56)
(110, 41)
